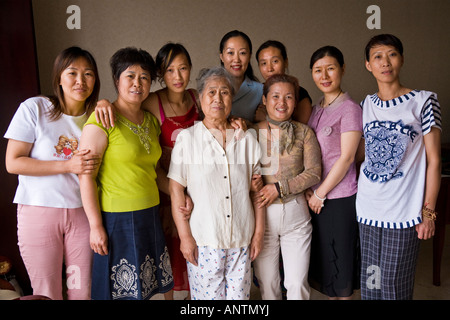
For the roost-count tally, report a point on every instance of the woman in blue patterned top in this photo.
(400, 176)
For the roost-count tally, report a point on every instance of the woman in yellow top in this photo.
(121, 199)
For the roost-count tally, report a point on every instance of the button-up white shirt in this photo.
(218, 181)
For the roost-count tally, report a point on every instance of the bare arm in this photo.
(260, 225)
(18, 161)
(161, 179)
(432, 141)
(94, 138)
(303, 111)
(349, 145)
(188, 246)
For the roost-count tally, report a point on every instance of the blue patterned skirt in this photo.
(138, 265)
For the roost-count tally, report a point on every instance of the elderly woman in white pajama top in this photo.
(214, 165)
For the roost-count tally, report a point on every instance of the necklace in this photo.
(323, 101)
(142, 131)
(170, 104)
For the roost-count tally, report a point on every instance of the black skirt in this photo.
(335, 251)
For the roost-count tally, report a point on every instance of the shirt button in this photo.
(228, 215)
(225, 177)
(227, 197)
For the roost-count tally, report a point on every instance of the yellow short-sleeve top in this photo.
(127, 178)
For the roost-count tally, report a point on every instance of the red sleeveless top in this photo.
(171, 126)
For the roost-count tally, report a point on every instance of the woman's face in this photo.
(385, 63)
(216, 99)
(134, 84)
(236, 56)
(271, 62)
(280, 101)
(77, 81)
(327, 74)
(178, 74)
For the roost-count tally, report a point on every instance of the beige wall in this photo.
(302, 25)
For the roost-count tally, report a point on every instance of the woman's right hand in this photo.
(99, 240)
(104, 113)
(257, 183)
(189, 249)
(187, 209)
(83, 162)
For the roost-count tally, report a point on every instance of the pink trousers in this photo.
(49, 238)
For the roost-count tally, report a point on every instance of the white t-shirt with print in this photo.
(52, 140)
(391, 183)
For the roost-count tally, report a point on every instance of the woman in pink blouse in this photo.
(337, 122)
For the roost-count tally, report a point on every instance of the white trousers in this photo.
(221, 274)
(288, 226)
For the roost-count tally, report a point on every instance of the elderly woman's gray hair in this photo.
(207, 74)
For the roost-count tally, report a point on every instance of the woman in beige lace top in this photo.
(291, 163)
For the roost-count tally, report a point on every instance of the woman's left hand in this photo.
(267, 195)
(238, 123)
(256, 245)
(425, 230)
(260, 113)
(315, 203)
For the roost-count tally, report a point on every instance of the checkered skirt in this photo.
(388, 262)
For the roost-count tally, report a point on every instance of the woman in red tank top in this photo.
(176, 109)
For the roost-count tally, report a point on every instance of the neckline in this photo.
(131, 122)
(70, 116)
(183, 115)
(344, 97)
(387, 104)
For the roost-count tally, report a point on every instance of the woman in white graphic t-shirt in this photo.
(43, 151)
(400, 177)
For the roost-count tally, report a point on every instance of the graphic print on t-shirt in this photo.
(66, 147)
(386, 143)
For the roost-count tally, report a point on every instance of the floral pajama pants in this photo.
(221, 274)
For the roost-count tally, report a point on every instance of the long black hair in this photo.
(327, 51)
(236, 33)
(62, 61)
(165, 56)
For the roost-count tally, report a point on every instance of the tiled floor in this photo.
(423, 290)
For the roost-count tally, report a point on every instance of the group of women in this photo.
(184, 189)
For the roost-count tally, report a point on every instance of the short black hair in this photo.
(131, 56)
(383, 39)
